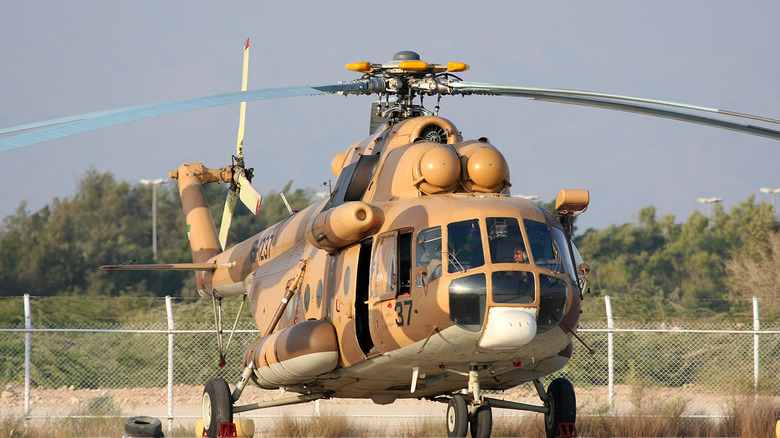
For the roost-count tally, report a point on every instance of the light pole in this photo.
(154, 184)
(709, 202)
(772, 192)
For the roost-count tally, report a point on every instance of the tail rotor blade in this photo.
(242, 115)
(248, 194)
(227, 219)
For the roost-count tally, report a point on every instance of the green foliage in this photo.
(654, 267)
(58, 250)
(667, 270)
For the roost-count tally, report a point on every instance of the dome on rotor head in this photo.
(406, 55)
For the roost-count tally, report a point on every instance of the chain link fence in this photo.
(173, 345)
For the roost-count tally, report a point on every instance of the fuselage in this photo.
(404, 270)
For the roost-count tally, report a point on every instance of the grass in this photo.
(743, 416)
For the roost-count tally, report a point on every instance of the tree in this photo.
(754, 271)
(58, 250)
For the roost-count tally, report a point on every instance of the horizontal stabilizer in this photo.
(163, 267)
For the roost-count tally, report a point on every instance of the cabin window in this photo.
(468, 296)
(347, 277)
(464, 246)
(506, 240)
(429, 254)
(543, 250)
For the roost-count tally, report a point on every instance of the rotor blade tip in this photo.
(246, 46)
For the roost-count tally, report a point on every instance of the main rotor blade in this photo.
(624, 103)
(63, 127)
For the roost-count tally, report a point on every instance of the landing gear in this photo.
(559, 409)
(478, 419)
(460, 419)
(457, 416)
(216, 406)
(481, 421)
(562, 406)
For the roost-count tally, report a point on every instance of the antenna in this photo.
(286, 204)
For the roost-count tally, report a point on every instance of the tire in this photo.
(137, 427)
(481, 422)
(216, 406)
(457, 417)
(562, 404)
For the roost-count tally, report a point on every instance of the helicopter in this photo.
(419, 276)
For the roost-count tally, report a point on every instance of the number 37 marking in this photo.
(399, 308)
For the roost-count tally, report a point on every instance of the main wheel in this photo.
(481, 421)
(457, 417)
(216, 406)
(562, 405)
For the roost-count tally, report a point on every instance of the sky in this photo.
(65, 58)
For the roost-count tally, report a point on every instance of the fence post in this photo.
(27, 355)
(169, 311)
(756, 328)
(610, 352)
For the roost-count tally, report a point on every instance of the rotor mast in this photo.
(401, 80)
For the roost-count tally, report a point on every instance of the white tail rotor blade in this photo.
(227, 219)
(242, 114)
(248, 194)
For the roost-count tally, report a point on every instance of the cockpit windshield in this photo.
(506, 240)
(507, 243)
(544, 251)
(464, 246)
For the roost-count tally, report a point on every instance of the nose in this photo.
(509, 327)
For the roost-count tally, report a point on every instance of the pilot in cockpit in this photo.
(520, 255)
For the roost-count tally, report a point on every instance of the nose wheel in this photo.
(477, 420)
(457, 416)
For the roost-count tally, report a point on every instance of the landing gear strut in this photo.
(559, 409)
(477, 418)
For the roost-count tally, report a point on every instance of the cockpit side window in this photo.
(429, 254)
(560, 240)
(464, 246)
(543, 249)
(506, 240)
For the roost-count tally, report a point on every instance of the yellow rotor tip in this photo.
(362, 67)
(457, 66)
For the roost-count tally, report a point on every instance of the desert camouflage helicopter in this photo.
(420, 276)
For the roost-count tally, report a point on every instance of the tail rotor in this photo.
(240, 185)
